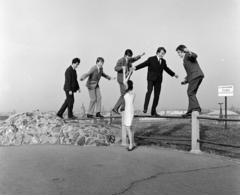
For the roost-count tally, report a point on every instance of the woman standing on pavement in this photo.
(129, 109)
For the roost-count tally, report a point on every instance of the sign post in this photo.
(226, 90)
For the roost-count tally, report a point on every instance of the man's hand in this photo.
(79, 91)
(184, 82)
(70, 93)
(133, 68)
(187, 51)
(124, 68)
(176, 76)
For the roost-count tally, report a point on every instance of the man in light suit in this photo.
(70, 87)
(126, 62)
(94, 75)
(194, 77)
(156, 64)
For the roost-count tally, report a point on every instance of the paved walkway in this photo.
(75, 170)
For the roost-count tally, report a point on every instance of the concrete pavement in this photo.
(73, 170)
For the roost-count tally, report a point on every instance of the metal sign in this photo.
(226, 90)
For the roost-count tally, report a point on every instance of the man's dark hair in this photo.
(100, 59)
(161, 48)
(181, 48)
(129, 53)
(75, 61)
(130, 85)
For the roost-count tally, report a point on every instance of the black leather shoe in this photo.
(122, 109)
(72, 117)
(99, 115)
(115, 112)
(187, 114)
(129, 150)
(144, 111)
(156, 114)
(89, 116)
(60, 116)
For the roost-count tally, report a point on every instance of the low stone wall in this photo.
(36, 128)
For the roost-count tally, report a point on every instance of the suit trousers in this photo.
(67, 104)
(95, 100)
(121, 101)
(157, 89)
(192, 91)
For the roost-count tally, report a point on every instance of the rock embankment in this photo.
(36, 128)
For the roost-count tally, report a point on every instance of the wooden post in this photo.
(226, 112)
(111, 114)
(124, 132)
(195, 133)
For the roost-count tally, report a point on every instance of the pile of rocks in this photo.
(36, 128)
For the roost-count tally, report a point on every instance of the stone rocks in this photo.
(36, 128)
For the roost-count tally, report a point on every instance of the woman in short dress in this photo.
(129, 109)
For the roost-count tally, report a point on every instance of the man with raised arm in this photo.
(126, 62)
(194, 77)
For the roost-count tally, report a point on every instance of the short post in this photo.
(195, 133)
(111, 114)
(124, 132)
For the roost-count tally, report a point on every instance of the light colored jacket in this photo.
(94, 75)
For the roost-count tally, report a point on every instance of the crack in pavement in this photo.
(168, 173)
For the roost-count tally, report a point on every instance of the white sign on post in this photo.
(226, 90)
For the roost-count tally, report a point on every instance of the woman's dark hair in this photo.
(130, 86)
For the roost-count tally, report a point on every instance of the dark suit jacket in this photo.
(94, 77)
(122, 62)
(155, 69)
(71, 83)
(192, 67)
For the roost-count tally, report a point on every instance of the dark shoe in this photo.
(115, 112)
(72, 117)
(99, 115)
(60, 116)
(131, 149)
(156, 114)
(122, 109)
(89, 116)
(144, 111)
(187, 114)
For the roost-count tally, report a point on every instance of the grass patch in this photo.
(176, 129)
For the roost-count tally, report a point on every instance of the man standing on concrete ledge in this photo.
(94, 75)
(126, 62)
(156, 64)
(70, 87)
(194, 77)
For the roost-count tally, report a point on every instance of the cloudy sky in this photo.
(39, 39)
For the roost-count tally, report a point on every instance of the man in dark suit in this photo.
(194, 77)
(70, 87)
(156, 65)
(126, 61)
(94, 75)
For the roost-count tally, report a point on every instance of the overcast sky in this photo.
(39, 39)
